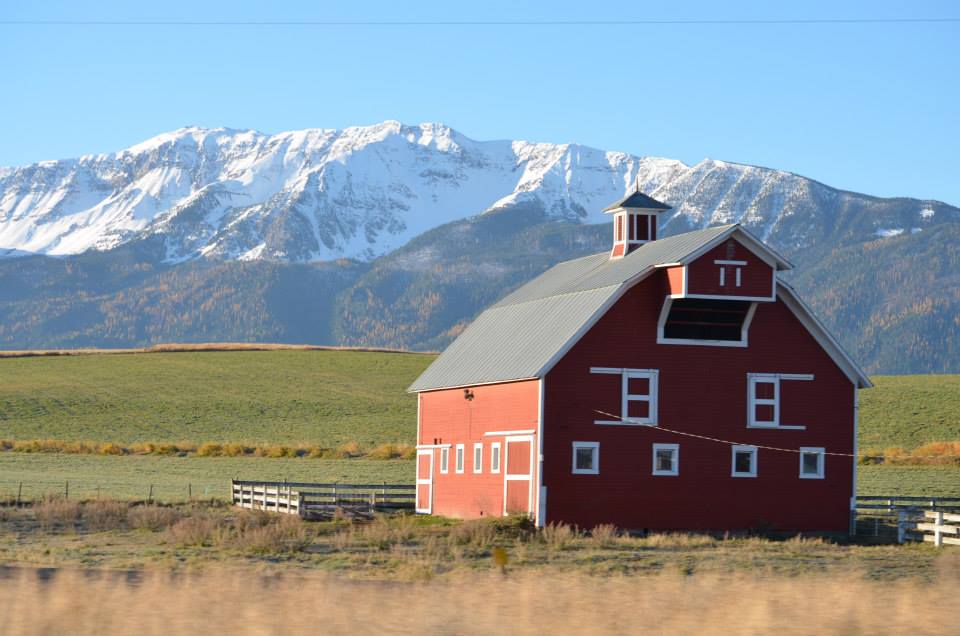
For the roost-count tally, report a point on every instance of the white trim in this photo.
(753, 401)
(744, 340)
(742, 448)
(526, 431)
(460, 459)
(445, 459)
(425, 446)
(418, 419)
(424, 482)
(477, 465)
(495, 454)
(675, 470)
(473, 384)
(651, 398)
(595, 446)
(821, 462)
(736, 263)
(541, 509)
(756, 299)
(816, 329)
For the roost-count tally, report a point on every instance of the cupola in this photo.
(634, 221)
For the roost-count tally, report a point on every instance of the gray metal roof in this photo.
(522, 335)
(637, 199)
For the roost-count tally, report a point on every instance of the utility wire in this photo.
(481, 23)
(633, 422)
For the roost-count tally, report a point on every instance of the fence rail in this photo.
(310, 500)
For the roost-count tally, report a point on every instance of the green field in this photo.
(272, 397)
(910, 410)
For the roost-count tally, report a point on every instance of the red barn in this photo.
(597, 393)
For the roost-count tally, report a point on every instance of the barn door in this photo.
(425, 481)
(518, 475)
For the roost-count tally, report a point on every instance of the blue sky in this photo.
(867, 107)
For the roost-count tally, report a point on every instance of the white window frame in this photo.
(821, 454)
(742, 448)
(744, 329)
(460, 458)
(478, 457)
(495, 457)
(675, 470)
(444, 460)
(595, 446)
(652, 376)
(752, 401)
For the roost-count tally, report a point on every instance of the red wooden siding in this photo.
(675, 280)
(756, 277)
(446, 417)
(702, 390)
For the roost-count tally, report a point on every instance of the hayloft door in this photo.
(425, 481)
(518, 476)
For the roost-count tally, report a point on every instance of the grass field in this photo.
(329, 397)
(130, 477)
(909, 411)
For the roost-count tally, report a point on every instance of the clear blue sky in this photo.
(867, 107)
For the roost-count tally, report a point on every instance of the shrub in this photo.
(280, 534)
(210, 450)
(558, 535)
(195, 530)
(477, 533)
(100, 516)
(53, 513)
(604, 535)
(384, 451)
(152, 517)
(235, 450)
(111, 449)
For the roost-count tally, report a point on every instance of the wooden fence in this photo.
(903, 518)
(312, 501)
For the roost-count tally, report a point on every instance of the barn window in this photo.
(744, 461)
(444, 460)
(495, 457)
(666, 459)
(700, 321)
(763, 399)
(586, 458)
(811, 463)
(459, 458)
(638, 396)
(478, 457)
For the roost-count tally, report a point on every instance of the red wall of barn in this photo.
(756, 277)
(446, 417)
(703, 390)
(674, 280)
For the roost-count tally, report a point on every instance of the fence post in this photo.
(190, 491)
(19, 492)
(66, 490)
(901, 526)
(938, 529)
(150, 496)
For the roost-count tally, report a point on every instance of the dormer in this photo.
(634, 222)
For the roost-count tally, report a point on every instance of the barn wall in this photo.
(446, 417)
(703, 390)
(675, 280)
(756, 277)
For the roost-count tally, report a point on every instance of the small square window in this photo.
(744, 461)
(586, 458)
(444, 460)
(495, 457)
(811, 463)
(666, 459)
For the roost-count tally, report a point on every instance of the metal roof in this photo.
(527, 332)
(639, 200)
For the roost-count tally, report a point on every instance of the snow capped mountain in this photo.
(322, 194)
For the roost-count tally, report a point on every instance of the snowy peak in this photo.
(360, 192)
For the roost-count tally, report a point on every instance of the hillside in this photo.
(319, 397)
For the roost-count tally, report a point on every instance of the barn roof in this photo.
(523, 335)
(637, 199)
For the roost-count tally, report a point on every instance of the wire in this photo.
(632, 422)
(482, 23)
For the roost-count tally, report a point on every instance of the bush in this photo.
(558, 535)
(604, 535)
(280, 534)
(111, 449)
(100, 516)
(210, 450)
(54, 513)
(152, 517)
(477, 533)
(195, 530)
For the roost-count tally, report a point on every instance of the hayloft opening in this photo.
(706, 319)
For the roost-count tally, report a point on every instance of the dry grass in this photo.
(58, 514)
(151, 517)
(349, 450)
(478, 603)
(930, 454)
